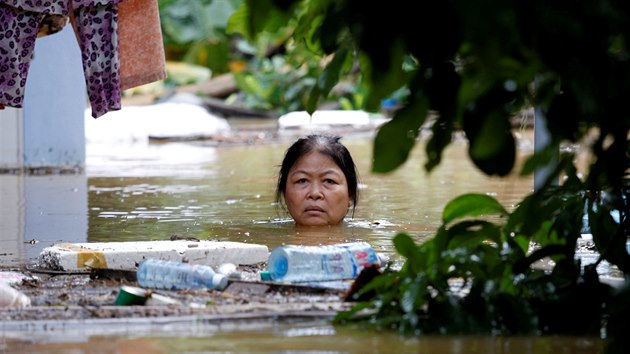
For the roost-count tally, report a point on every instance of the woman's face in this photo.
(317, 191)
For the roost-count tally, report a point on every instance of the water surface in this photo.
(310, 337)
(152, 191)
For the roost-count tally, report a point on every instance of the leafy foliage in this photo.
(194, 31)
(475, 63)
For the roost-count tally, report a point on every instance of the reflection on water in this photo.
(306, 337)
(37, 211)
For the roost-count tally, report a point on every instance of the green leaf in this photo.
(254, 17)
(383, 83)
(471, 205)
(443, 87)
(609, 238)
(327, 79)
(330, 76)
(522, 242)
(541, 158)
(237, 22)
(405, 246)
(441, 134)
(396, 138)
(486, 123)
(471, 233)
(544, 252)
(308, 25)
(414, 295)
(313, 99)
(493, 150)
(491, 137)
(258, 15)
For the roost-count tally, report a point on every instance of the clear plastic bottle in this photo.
(163, 274)
(295, 263)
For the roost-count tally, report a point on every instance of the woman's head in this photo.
(318, 181)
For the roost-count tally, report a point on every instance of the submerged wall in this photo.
(43, 187)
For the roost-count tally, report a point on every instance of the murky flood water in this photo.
(227, 193)
(153, 191)
(196, 189)
(312, 337)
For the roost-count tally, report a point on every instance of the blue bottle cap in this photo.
(278, 264)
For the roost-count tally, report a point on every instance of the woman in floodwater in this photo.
(318, 181)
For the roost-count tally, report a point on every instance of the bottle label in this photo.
(172, 275)
(347, 263)
(320, 263)
(337, 263)
(364, 258)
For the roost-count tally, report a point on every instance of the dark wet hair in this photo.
(328, 145)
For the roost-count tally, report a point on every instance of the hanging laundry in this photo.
(52, 23)
(142, 58)
(95, 23)
(18, 32)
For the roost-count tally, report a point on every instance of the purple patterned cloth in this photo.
(40, 6)
(18, 32)
(97, 29)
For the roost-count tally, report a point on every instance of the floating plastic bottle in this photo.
(295, 263)
(162, 274)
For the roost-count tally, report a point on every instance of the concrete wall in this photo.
(11, 139)
(49, 131)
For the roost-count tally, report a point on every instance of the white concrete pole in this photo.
(11, 140)
(49, 131)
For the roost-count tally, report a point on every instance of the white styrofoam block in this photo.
(127, 255)
(324, 117)
(136, 124)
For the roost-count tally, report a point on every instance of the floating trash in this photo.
(10, 297)
(12, 278)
